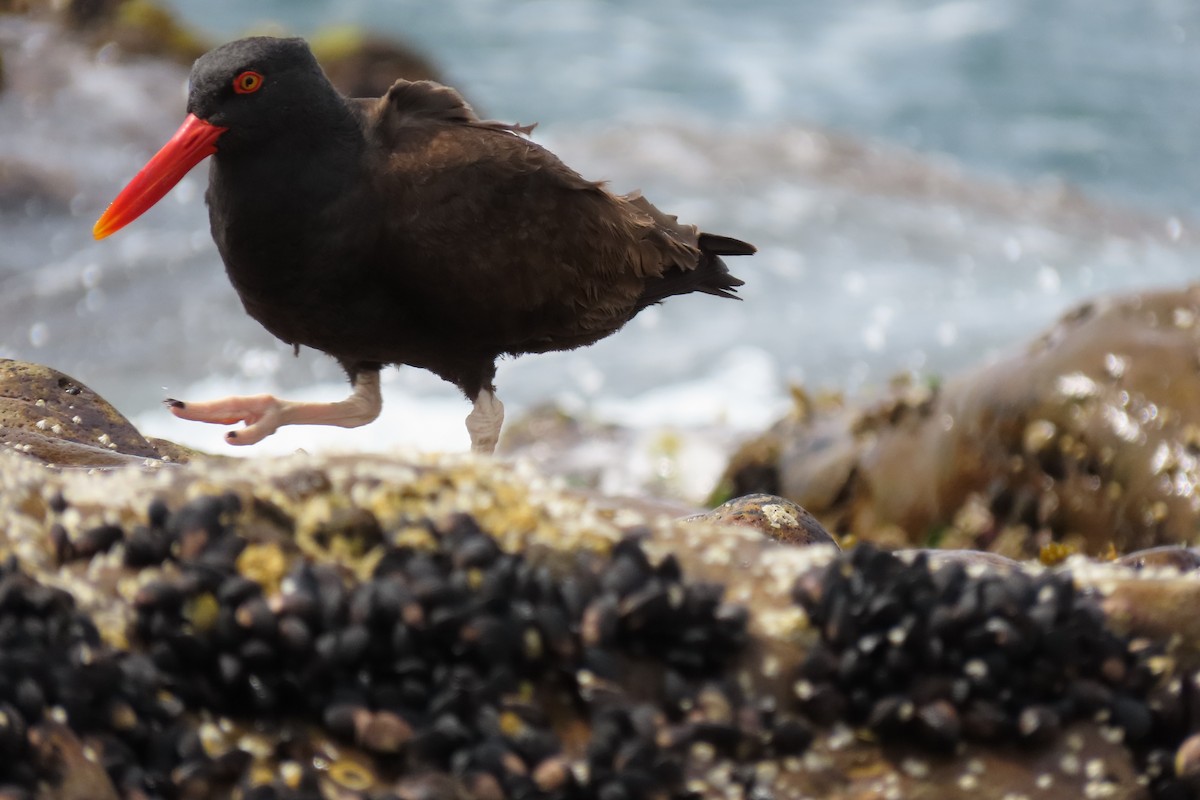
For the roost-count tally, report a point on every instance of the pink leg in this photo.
(264, 414)
(484, 421)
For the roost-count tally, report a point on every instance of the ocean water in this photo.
(929, 183)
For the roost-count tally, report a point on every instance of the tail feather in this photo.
(725, 245)
(710, 275)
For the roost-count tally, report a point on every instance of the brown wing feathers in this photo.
(670, 257)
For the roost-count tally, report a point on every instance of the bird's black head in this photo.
(245, 96)
(257, 88)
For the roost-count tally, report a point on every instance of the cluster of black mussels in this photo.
(61, 685)
(449, 663)
(942, 656)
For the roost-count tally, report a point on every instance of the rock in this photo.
(370, 540)
(34, 192)
(85, 14)
(148, 28)
(55, 419)
(140, 27)
(360, 64)
(20, 6)
(1184, 559)
(309, 620)
(774, 517)
(59, 752)
(323, 606)
(1089, 436)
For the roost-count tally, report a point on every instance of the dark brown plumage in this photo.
(405, 230)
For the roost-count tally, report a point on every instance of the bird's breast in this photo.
(297, 244)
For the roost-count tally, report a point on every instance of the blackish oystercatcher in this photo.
(405, 230)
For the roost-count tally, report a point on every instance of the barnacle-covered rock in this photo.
(775, 517)
(374, 626)
(55, 419)
(1090, 437)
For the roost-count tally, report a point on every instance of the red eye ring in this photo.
(248, 82)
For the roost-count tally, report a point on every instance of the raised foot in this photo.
(484, 421)
(264, 414)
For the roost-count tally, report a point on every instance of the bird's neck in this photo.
(276, 209)
(318, 156)
(279, 184)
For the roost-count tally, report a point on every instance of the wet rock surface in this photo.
(1088, 438)
(400, 627)
(55, 419)
(775, 517)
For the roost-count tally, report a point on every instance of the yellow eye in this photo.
(249, 81)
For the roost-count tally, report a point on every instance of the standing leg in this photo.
(484, 421)
(264, 414)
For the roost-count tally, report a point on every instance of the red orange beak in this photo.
(195, 141)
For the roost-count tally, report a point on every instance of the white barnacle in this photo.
(1122, 424)
(1162, 459)
(868, 642)
(779, 517)
(1096, 790)
(1115, 365)
(841, 737)
(716, 555)
(1076, 386)
(703, 752)
(292, 773)
(770, 666)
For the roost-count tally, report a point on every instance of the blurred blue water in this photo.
(1102, 93)
(1057, 156)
